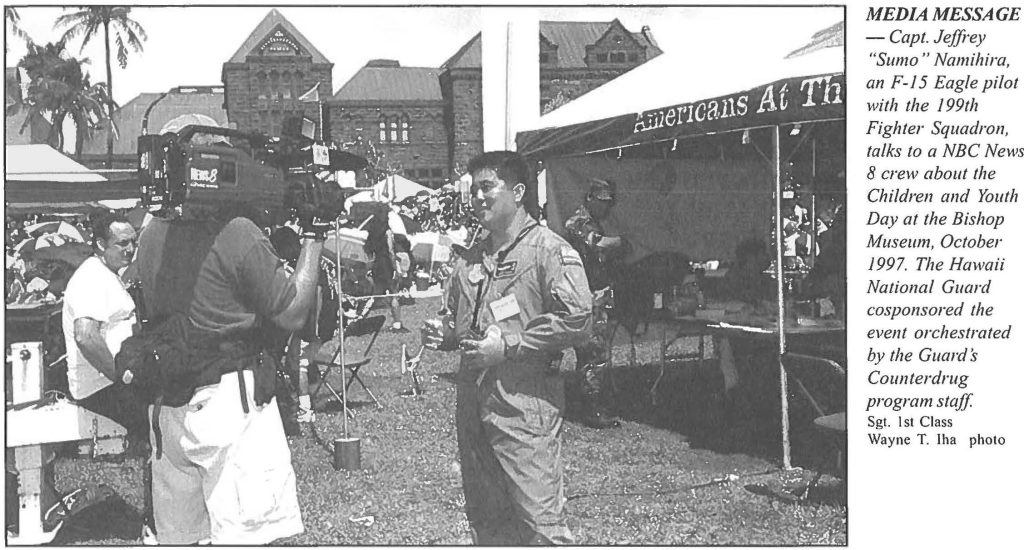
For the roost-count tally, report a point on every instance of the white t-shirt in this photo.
(96, 292)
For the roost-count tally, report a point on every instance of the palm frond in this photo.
(134, 39)
(122, 52)
(71, 19)
(85, 24)
(132, 25)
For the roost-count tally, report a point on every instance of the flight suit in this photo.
(509, 416)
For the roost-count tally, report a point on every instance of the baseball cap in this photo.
(602, 189)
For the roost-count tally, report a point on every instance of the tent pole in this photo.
(780, 296)
(320, 115)
(341, 327)
(813, 253)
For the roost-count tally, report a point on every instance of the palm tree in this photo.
(59, 88)
(87, 22)
(12, 21)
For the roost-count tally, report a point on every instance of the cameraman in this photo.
(225, 473)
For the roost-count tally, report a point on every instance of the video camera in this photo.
(212, 166)
(208, 165)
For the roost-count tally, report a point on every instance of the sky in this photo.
(187, 46)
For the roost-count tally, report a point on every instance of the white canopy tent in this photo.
(38, 178)
(391, 189)
(40, 162)
(772, 67)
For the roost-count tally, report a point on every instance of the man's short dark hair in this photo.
(512, 168)
(101, 225)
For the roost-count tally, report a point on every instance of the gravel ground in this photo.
(673, 474)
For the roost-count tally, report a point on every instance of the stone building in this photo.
(272, 69)
(461, 87)
(401, 110)
(576, 57)
(426, 122)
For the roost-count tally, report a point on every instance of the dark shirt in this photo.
(239, 281)
(239, 286)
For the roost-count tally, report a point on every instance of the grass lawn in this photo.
(673, 474)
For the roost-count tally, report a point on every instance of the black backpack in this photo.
(158, 361)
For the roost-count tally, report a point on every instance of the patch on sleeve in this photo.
(568, 256)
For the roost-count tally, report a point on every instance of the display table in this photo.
(823, 337)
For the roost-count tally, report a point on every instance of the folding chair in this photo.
(353, 361)
(832, 425)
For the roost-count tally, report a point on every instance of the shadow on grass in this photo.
(690, 400)
(110, 519)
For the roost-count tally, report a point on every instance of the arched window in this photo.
(383, 129)
(275, 85)
(405, 128)
(261, 85)
(394, 129)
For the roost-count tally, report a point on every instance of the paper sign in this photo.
(321, 156)
(504, 308)
(440, 254)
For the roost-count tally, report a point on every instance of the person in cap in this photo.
(602, 254)
(514, 302)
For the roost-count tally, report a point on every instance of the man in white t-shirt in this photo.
(99, 315)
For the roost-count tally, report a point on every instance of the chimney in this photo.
(389, 63)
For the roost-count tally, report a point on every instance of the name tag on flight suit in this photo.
(504, 308)
(505, 270)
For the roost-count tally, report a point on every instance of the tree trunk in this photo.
(58, 127)
(110, 99)
(80, 130)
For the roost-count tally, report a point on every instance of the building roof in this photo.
(385, 80)
(14, 117)
(265, 28)
(573, 37)
(468, 57)
(12, 87)
(37, 131)
(204, 101)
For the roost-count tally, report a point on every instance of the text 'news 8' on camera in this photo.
(209, 166)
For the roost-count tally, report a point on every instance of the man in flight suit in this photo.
(600, 252)
(514, 302)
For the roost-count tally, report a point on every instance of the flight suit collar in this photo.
(520, 221)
